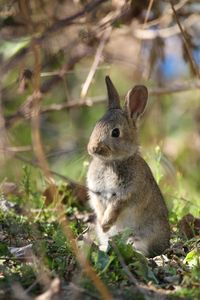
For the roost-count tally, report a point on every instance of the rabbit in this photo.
(122, 190)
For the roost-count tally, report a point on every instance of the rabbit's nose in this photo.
(95, 148)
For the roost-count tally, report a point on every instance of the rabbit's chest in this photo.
(103, 183)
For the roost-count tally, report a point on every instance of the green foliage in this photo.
(39, 225)
(52, 248)
(3, 249)
(193, 258)
(16, 226)
(31, 197)
(137, 263)
(109, 267)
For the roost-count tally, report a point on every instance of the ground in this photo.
(36, 257)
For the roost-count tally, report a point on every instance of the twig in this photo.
(26, 113)
(83, 261)
(77, 55)
(140, 67)
(166, 14)
(22, 294)
(183, 87)
(148, 12)
(53, 290)
(193, 65)
(32, 286)
(9, 149)
(148, 34)
(74, 104)
(96, 61)
(93, 4)
(25, 110)
(144, 291)
(114, 17)
(83, 70)
(130, 276)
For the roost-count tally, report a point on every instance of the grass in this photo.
(32, 223)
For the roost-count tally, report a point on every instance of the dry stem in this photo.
(193, 65)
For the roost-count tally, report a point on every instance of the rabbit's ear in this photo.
(136, 101)
(113, 96)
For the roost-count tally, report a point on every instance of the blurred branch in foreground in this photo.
(60, 212)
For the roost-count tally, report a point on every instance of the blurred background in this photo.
(54, 58)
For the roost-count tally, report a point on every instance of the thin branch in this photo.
(74, 104)
(140, 66)
(167, 13)
(125, 14)
(101, 99)
(77, 55)
(164, 33)
(148, 12)
(52, 291)
(25, 110)
(183, 87)
(26, 114)
(193, 65)
(10, 149)
(92, 5)
(130, 276)
(96, 62)
(82, 70)
(144, 291)
(82, 260)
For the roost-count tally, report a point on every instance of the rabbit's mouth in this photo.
(101, 150)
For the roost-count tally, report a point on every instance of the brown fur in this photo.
(122, 189)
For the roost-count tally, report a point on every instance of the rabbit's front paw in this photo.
(109, 218)
(105, 226)
(107, 223)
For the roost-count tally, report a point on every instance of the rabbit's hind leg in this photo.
(139, 244)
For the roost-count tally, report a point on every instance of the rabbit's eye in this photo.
(115, 132)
